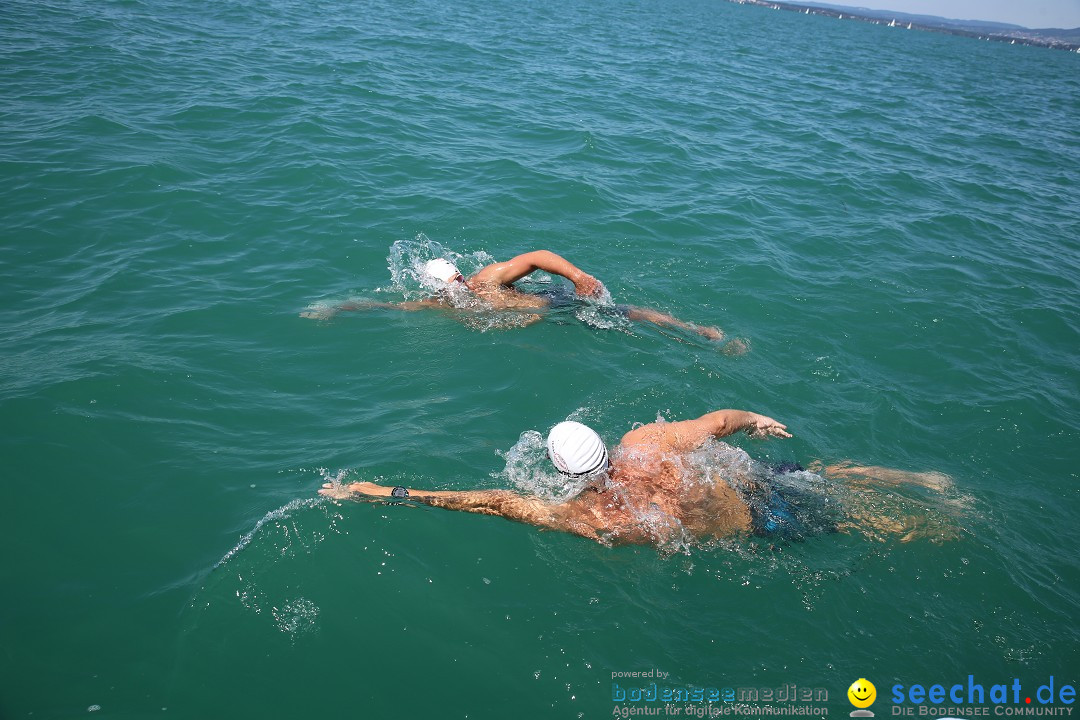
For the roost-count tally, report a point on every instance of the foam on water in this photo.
(406, 265)
(282, 513)
(601, 312)
(529, 471)
(296, 616)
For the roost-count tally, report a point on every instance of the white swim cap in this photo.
(576, 449)
(441, 269)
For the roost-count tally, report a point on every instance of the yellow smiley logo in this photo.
(862, 693)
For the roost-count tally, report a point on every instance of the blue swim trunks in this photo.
(785, 509)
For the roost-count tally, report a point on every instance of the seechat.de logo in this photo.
(862, 695)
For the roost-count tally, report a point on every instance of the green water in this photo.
(889, 218)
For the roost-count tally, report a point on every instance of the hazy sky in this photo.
(1029, 13)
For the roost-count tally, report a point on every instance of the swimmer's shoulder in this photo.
(646, 436)
(489, 275)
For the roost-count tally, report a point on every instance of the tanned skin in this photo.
(640, 475)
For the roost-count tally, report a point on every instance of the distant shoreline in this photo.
(1014, 37)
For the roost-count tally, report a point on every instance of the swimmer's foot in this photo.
(880, 526)
(737, 346)
(937, 530)
(933, 480)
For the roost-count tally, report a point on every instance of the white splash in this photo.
(529, 471)
(601, 312)
(282, 512)
(406, 265)
(296, 617)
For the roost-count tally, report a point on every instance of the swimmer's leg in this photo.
(878, 526)
(878, 515)
(874, 475)
(736, 346)
(656, 317)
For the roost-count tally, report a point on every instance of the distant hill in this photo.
(928, 20)
(1072, 36)
(1059, 38)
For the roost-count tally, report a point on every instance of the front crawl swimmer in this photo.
(494, 286)
(639, 493)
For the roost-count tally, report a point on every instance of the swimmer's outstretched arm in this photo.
(504, 503)
(407, 305)
(689, 434)
(516, 268)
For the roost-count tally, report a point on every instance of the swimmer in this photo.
(494, 285)
(643, 479)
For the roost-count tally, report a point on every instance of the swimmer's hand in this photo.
(341, 492)
(588, 286)
(319, 312)
(759, 426)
